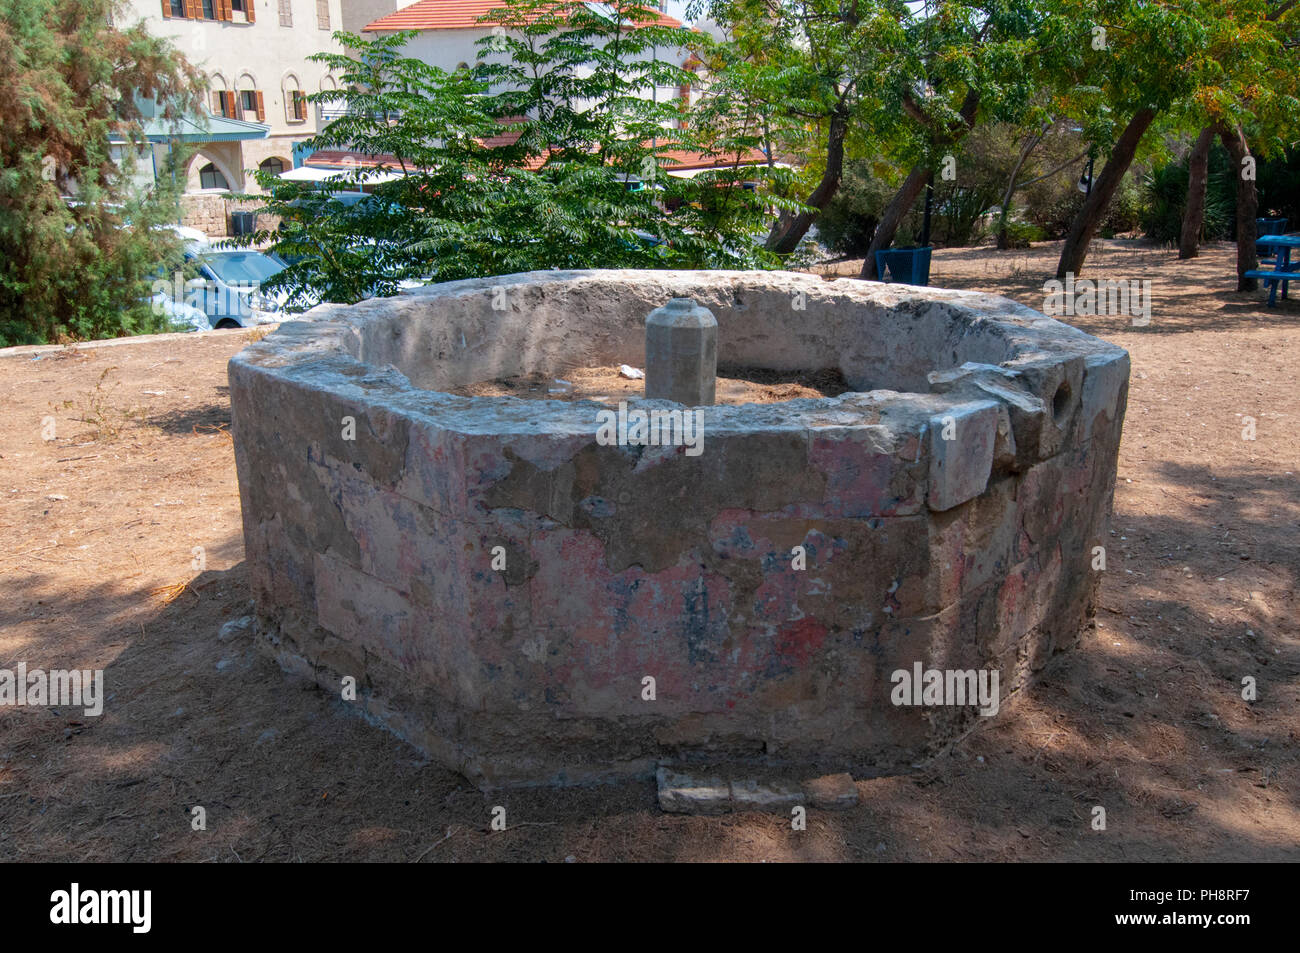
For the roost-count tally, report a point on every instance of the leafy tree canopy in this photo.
(555, 154)
(77, 242)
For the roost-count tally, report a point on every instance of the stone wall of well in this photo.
(373, 556)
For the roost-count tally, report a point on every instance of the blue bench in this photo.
(1272, 279)
(1282, 272)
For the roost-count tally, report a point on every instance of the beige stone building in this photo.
(255, 54)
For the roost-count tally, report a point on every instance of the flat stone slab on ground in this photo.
(684, 794)
(833, 792)
(708, 794)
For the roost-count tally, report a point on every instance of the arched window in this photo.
(295, 98)
(210, 177)
(249, 99)
(272, 165)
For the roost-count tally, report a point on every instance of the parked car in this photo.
(180, 316)
(228, 289)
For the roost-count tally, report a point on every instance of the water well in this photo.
(948, 508)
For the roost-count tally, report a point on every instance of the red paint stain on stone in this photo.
(797, 642)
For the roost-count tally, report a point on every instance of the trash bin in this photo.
(908, 266)
(243, 223)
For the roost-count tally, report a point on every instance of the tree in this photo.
(1200, 62)
(818, 73)
(77, 241)
(965, 59)
(1248, 82)
(550, 156)
(1198, 175)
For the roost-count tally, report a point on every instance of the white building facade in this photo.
(254, 54)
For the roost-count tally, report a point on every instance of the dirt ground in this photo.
(735, 385)
(98, 569)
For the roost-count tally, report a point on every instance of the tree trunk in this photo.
(1234, 140)
(1198, 171)
(789, 230)
(898, 207)
(916, 179)
(1103, 190)
(1030, 145)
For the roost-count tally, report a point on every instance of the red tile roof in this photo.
(460, 15)
(343, 159)
(680, 160)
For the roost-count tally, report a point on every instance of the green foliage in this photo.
(848, 222)
(1055, 215)
(76, 268)
(1165, 199)
(960, 210)
(1021, 234)
(1278, 179)
(581, 183)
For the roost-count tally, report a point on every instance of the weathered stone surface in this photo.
(832, 792)
(962, 444)
(770, 796)
(685, 794)
(501, 584)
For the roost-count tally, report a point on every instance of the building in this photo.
(255, 54)
(450, 33)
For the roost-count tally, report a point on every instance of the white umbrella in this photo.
(360, 176)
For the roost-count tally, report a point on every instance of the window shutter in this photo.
(248, 11)
(167, 9)
(299, 105)
(261, 107)
(223, 10)
(193, 9)
(323, 14)
(217, 105)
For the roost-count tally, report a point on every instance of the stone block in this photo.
(684, 794)
(832, 792)
(962, 445)
(771, 796)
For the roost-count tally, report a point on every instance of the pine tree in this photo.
(77, 244)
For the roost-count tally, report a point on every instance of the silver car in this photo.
(228, 289)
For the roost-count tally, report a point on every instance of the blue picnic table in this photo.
(1281, 272)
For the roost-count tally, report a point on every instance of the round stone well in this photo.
(503, 587)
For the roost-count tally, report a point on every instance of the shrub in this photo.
(1165, 200)
(1021, 234)
(79, 268)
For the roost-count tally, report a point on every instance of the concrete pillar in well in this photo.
(681, 353)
